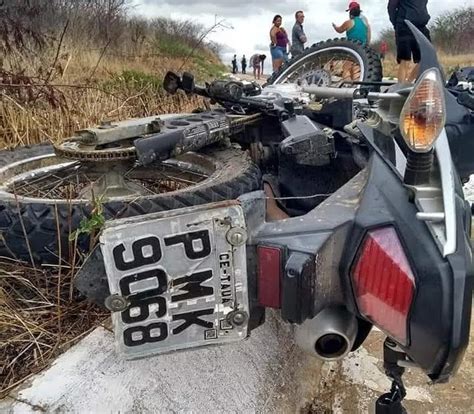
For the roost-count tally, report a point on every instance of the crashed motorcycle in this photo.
(362, 223)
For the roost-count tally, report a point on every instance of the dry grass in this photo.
(119, 89)
(40, 317)
(29, 124)
(449, 63)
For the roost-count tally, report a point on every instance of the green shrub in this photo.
(173, 47)
(206, 69)
(453, 32)
(134, 80)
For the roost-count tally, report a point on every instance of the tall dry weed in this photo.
(38, 319)
(31, 112)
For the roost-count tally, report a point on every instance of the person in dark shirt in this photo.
(416, 12)
(244, 64)
(298, 36)
(262, 60)
(235, 69)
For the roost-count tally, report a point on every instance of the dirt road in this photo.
(249, 77)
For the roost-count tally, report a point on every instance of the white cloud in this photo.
(252, 19)
(227, 8)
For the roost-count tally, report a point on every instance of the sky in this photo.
(247, 23)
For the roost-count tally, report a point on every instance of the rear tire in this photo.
(29, 228)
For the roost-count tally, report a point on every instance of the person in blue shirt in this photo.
(357, 27)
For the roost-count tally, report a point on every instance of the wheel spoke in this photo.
(42, 177)
(77, 179)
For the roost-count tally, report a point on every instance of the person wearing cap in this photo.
(357, 27)
(416, 12)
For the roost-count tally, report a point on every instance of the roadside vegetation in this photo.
(68, 64)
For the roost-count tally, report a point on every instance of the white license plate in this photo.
(184, 284)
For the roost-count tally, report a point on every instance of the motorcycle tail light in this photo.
(424, 113)
(383, 282)
(269, 276)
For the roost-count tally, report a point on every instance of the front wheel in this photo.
(331, 63)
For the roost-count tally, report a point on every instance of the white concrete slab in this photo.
(266, 373)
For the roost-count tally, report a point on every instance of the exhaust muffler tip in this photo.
(332, 346)
(330, 335)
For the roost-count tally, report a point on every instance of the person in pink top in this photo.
(279, 43)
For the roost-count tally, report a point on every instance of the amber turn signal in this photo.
(424, 113)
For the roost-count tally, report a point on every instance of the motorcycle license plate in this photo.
(179, 277)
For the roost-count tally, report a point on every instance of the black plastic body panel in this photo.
(439, 319)
(335, 113)
(314, 245)
(326, 241)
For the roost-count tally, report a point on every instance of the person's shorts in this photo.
(407, 48)
(278, 52)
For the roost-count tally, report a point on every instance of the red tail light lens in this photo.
(269, 276)
(383, 282)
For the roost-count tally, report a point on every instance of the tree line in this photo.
(28, 27)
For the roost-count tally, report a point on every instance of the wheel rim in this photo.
(341, 63)
(53, 179)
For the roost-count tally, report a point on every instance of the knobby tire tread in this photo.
(370, 58)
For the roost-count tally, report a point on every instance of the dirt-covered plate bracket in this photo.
(177, 279)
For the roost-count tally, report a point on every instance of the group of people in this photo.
(357, 28)
(256, 63)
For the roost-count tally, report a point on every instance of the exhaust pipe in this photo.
(330, 335)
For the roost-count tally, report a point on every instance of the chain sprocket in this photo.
(77, 150)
